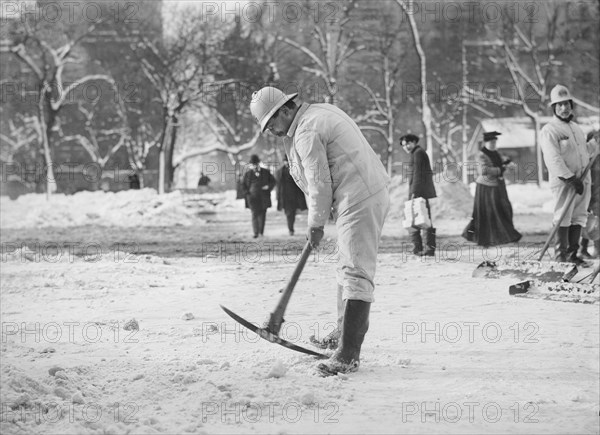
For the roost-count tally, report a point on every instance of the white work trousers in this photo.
(359, 233)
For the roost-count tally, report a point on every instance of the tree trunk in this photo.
(465, 157)
(161, 171)
(44, 134)
(407, 7)
(161, 153)
(538, 151)
(170, 150)
(390, 147)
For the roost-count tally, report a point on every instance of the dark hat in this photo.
(490, 135)
(254, 159)
(409, 138)
(590, 135)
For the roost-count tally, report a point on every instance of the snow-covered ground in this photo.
(445, 353)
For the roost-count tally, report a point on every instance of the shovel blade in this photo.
(527, 270)
(557, 291)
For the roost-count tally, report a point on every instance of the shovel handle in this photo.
(570, 200)
(276, 318)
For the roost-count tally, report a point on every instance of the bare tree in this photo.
(19, 135)
(47, 55)
(180, 69)
(380, 117)
(95, 137)
(443, 127)
(138, 144)
(335, 45)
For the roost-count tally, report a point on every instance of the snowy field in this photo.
(445, 352)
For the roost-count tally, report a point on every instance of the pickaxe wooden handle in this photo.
(276, 318)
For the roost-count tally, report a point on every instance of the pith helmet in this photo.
(266, 102)
(558, 94)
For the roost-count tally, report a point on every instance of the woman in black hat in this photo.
(492, 221)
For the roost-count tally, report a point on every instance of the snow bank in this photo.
(530, 198)
(133, 208)
(129, 208)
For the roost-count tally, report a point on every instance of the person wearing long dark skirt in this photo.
(492, 220)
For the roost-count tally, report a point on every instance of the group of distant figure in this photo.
(256, 186)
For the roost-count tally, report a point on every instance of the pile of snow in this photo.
(132, 208)
(530, 198)
(128, 208)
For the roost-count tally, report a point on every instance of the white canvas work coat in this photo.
(566, 154)
(332, 162)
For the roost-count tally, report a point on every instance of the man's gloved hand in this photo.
(575, 183)
(314, 236)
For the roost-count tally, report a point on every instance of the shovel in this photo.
(271, 331)
(587, 293)
(537, 270)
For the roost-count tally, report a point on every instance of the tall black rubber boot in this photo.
(429, 242)
(417, 241)
(355, 325)
(584, 248)
(574, 236)
(561, 244)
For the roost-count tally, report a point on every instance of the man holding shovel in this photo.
(332, 162)
(566, 155)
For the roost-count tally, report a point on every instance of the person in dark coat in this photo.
(290, 197)
(204, 180)
(134, 181)
(492, 220)
(420, 186)
(258, 183)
